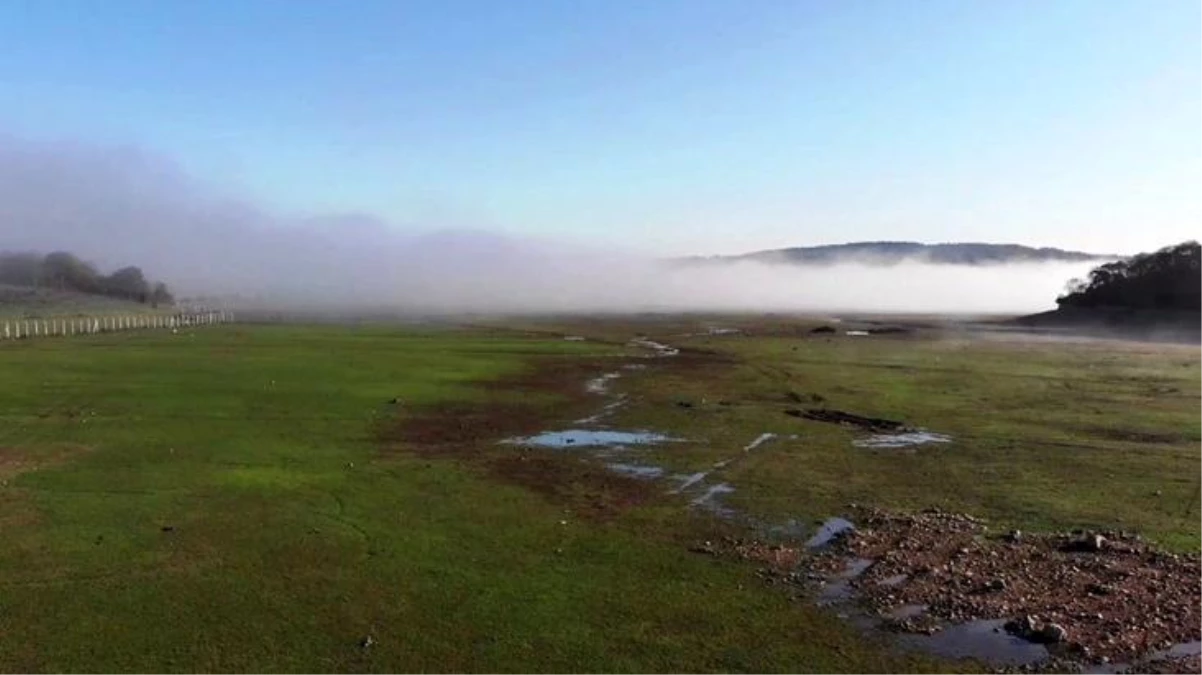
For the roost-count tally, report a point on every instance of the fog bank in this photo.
(118, 206)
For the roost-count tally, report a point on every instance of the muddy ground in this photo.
(525, 404)
(1098, 600)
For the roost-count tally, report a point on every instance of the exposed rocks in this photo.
(1094, 597)
(1052, 633)
(1091, 543)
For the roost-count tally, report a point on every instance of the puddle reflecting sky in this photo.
(591, 438)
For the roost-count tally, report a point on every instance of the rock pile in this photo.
(1098, 597)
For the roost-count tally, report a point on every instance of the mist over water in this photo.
(121, 206)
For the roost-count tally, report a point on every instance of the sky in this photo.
(671, 126)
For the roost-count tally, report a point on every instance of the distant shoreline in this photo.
(1145, 325)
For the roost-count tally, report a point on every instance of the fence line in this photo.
(19, 329)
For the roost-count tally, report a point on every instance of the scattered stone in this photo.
(1121, 606)
(1091, 543)
(996, 585)
(1023, 626)
(1052, 633)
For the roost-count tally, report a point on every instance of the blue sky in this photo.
(689, 126)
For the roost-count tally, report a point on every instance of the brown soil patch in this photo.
(14, 461)
(552, 389)
(594, 491)
(1136, 436)
(547, 395)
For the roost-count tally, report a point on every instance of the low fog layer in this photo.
(119, 206)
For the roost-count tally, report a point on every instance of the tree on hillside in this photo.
(1170, 278)
(64, 271)
(161, 296)
(20, 269)
(128, 283)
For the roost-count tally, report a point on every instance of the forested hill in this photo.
(893, 252)
(64, 271)
(1168, 279)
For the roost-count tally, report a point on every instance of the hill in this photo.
(1156, 296)
(894, 252)
(1168, 279)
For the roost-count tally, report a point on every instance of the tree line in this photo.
(66, 272)
(1166, 279)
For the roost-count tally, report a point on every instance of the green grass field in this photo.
(224, 499)
(1046, 435)
(217, 501)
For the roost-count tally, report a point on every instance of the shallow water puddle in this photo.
(1179, 650)
(903, 440)
(659, 348)
(637, 470)
(858, 333)
(709, 499)
(907, 612)
(688, 480)
(609, 409)
(591, 438)
(600, 384)
(984, 640)
(833, 527)
(839, 589)
(759, 440)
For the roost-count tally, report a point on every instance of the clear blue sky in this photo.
(683, 125)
